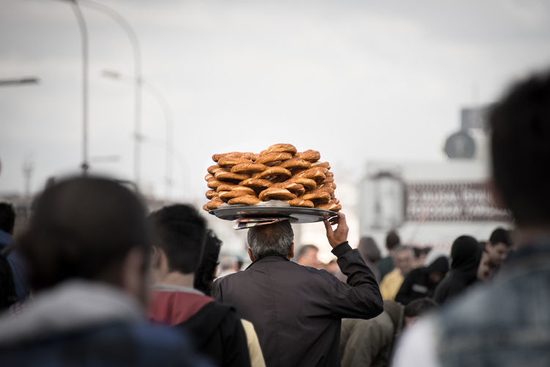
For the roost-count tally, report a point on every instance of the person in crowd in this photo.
(420, 254)
(422, 282)
(307, 256)
(404, 261)
(297, 310)
(371, 254)
(504, 323)
(228, 265)
(387, 264)
(369, 343)
(486, 268)
(465, 258)
(204, 280)
(498, 247)
(87, 249)
(333, 268)
(180, 236)
(15, 264)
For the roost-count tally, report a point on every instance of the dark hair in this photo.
(83, 228)
(520, 149)
(205, 273)
(305, 248)
(392, 240)
(369, 250)
(500, 235)
(419, 306)
(181, 232)
(7, 217)
(270, 240)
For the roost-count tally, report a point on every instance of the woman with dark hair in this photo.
(465, 258)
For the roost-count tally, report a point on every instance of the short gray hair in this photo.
(270, 240)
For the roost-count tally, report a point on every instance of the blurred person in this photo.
(371, 254)
(228, 265)
(87, 250)
(420, 254)
(498, 247)
(297, 310)
(505, 322)
(485, 268)
(307, 256)
(404, 262)
(370, 343)
(333, 268)
(465, 258)
(387, 264)
(180, 236)
(422, 282)
(19, 278)
(204, 279)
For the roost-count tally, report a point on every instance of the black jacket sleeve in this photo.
(360, 296)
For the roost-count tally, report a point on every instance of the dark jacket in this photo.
(297, 310)
(215, 329)
(417, 283)
(465, 255)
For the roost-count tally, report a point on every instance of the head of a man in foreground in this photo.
(275, 239)
(88, 228)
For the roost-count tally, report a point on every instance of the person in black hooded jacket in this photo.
(422, 282)
(465, 258)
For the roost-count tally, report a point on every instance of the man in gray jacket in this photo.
(297, 310)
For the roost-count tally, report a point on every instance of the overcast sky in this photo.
(356, 80)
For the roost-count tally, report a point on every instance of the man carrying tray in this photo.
(297, 310)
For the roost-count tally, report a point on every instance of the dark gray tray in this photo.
(295, 214)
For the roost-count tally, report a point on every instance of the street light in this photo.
(155, 92)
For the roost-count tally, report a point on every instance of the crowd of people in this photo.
(95, 279)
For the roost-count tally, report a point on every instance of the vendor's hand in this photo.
(336, 237)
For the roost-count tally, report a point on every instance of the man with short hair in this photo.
(404, 262)
(307, 256)
(181, 234)
(498, 247)
(297, 310)
(87, 248)
(387, 264)
(504, 323)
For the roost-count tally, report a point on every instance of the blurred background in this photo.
(393, 94)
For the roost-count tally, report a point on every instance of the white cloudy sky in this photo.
(356, 80)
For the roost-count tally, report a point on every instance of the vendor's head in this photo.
(275, 239)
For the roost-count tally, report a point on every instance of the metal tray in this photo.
(295, 214)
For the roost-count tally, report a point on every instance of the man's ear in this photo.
(250, 256)
(495, 194)
(291, 251)
(156, 258)
(134, 277)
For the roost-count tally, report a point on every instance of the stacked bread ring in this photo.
(278, 173)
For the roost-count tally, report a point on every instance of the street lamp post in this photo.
(169, 143)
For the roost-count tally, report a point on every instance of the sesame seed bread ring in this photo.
(210, 194)
(208, 177)
(301, 203)
(330, 206)
(319, 197)
(280, 148)
(246, 200)
(256, 183)
(248, 168)
(230, 176)
(314, 174)
(269, 159)
(205, 207)
(326, 188)
(309, 155)
(293, 187)
(228, 162)
(308, 183)
(296, 163)
(236, 192)
(213, 183)
(214, 203)
(276, 194)
(274, 173)
(321, 164)
(217, 157)
(226, 187)
(213, 169)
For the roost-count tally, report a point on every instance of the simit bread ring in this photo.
(320, 197)
(208, 177)
(256, 183)
(210, 194)
(214, 203)
(230, 176)
(248, 168)
(309, 155)
(274, 173)
(326, 187)
(236, 192)
(280, 148)
(314, 174)
(308, 183)
(225, 187)
(293, 187)
(271, 159)
(213, 169)
(229, 162)
(213, 183)
(246, 200)
(296, 163)
(330, 206)
(217, 157)
(321, 164)
(276, 194)
(301, 202)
